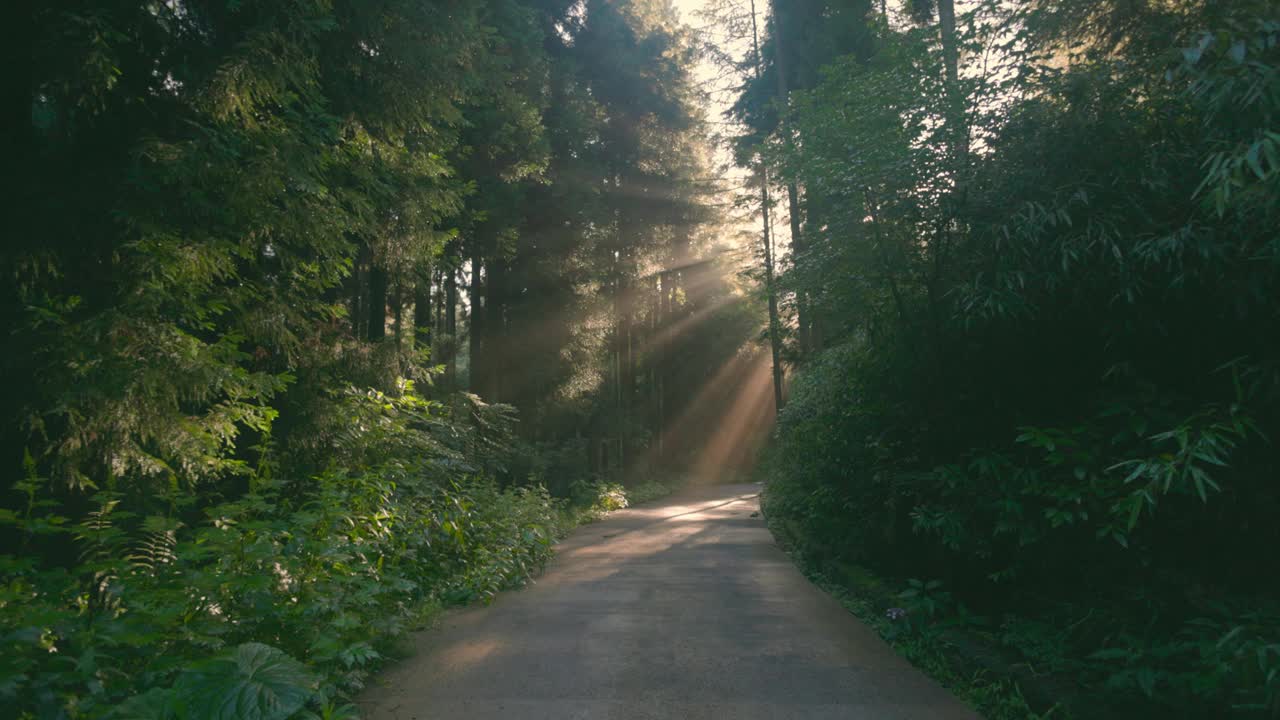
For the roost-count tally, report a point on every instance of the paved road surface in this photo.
(682, 609)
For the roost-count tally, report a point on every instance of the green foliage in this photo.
(647, 491)
(592, 500)
(1049, 378)
(328, 575)
(1206, 661)
(243, 459)
(914, 619)
(251, 682)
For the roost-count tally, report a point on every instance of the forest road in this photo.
(682, 609)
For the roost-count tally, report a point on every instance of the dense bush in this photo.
(1053, 358)
(326, 575)
(237, 227)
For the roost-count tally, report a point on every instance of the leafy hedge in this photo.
(1058, 554)
(274, 601)
(1051, 373)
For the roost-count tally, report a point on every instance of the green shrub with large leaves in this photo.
(1051, 380)
(250, 682)
(281, 598)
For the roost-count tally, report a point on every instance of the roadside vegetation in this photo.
(321, 316)
(279, 602)
(1032, 311)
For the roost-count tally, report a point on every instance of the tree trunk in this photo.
(950, 50)
(656, 362)
(475, 330)
(781, 70)
(619, 412)
(377, 328)
(955, 100)
(959, 131)
(397, 313)
(626, 347)
(359, 308)
(451, 324)
(494, 340)
(422, 317)
(775, 339)
(803, 318)
(438, 284)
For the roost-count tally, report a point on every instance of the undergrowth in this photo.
(276, 600)
(878, 603)
(592, 499)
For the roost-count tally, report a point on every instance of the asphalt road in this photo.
(680, 609)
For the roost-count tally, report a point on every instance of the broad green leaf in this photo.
(252, 682)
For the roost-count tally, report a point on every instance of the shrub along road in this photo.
(680, 609)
